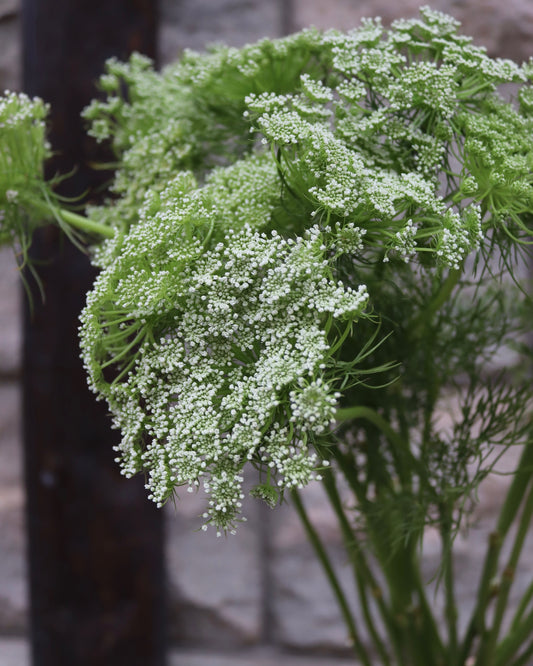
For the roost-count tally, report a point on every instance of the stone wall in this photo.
(13, 607)
(262, 587)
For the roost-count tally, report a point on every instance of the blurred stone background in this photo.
(260, 593)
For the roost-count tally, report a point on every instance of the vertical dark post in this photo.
(95, 541)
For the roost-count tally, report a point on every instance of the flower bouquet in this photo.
(309, 246)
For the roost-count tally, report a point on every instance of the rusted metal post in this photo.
(95, 541)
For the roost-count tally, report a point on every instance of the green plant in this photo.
(309, 243)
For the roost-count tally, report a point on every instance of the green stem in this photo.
(507, 580)
(363, 575)
(403, 577)
(508, 512)
(513, 641)
(121, 335)
(517, 490)
(468, 93)
(399, 446)
(522, 607)
(362, 412)
(323, 557)
(429, 636)
(124, 350)
(523, 659)
(476, 626)
(449, 584)
(84, 224)
(79, 222)
(440, 298)
(443, 294)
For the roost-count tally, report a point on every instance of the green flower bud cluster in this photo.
(23, 149)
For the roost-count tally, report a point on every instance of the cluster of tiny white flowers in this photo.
(405, 242)
(349, 182)
(265, 102)
(359, 53)
(18, 109)
(314, 403)
(23, 149)
(433, 25)
(352, 91)
(425, 83)
(316, 90)
(348, 239)
(474, 59)
(244, 322)
(460, 235)
(287, 127)
(289, 459)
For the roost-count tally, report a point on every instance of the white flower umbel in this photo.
(230, 346)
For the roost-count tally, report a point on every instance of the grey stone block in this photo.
(10, 314)
(305, 614)
(10, 72)
(216, 595)
(9, 7)
(193, 24)
(252, 658)
(14, 652)
(13, 592)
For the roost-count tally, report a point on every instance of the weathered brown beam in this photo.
(95, 541)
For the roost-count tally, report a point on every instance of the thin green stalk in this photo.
(115, 322)
(401, 586)
(323, 557)
(121, 334)
(124, 350)
(513, 641)
(399, 447)
(363, 575)
(476, 626)
(522, 607)
(418, 626)
(440, 298)
(451, 610)
(449, 584)
(50, 210)
(517, 490)
(84, 224)
(508, 577)
(508, 512)
(123, 372)
(429, 634)
(468, 93)
(362, 412)
(523, 659)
